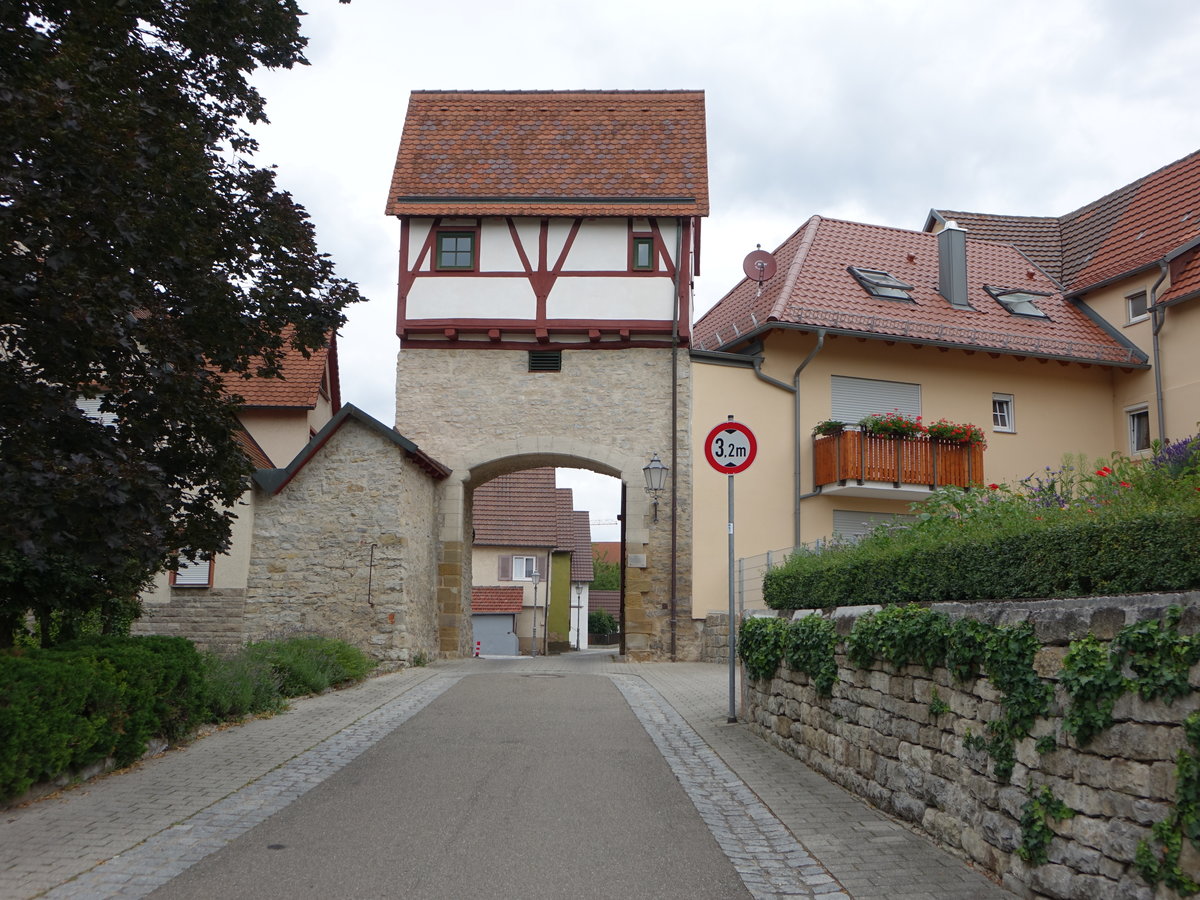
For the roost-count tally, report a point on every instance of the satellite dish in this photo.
(759, 266)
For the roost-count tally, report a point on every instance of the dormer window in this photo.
(455, 251)
(1019, 303)
(881, 284)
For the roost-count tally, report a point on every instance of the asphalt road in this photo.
(531, 786)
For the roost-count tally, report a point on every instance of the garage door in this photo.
(495, 634)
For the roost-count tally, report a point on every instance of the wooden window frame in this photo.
(187, 586)
(470, 233)
(637, 240)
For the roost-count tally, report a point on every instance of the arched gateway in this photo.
(547, 246)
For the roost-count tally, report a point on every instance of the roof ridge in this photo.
(1137, 182)
(564, 91)
(806, 242)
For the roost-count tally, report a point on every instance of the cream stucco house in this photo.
(1069, 334)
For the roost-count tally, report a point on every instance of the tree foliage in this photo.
(606, 575)
(147, 260)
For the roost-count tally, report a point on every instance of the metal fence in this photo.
(749, 577)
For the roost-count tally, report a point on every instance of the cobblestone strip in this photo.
(153, 863)
(770, 861)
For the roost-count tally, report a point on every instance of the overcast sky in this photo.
(870, 110)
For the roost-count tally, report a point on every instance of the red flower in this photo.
(993, 487)
(1105, 472)
(1125, 484)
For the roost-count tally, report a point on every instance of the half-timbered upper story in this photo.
(549, 219)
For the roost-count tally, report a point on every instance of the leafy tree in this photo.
(145, 259)
(606, 575)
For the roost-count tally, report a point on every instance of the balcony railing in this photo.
(854, 456)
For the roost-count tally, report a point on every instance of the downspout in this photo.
(675, 430)
(1158, 316)
(797, 436)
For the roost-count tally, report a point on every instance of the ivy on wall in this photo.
(1151, 658)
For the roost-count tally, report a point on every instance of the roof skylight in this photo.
(1019, 303)
(880, 284)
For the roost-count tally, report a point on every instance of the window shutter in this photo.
(853, 525)
(505, 573)
(194, 574)
(856, 398)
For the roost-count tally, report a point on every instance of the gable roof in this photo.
(581, 549)
(275, 480)
(813, 288)
(300, 383)
(517, 510)
(1123, 232)
(252, 449)
(561, 153)
(485, 600)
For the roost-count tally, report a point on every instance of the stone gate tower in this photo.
(547, 246)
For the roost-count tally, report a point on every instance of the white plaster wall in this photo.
(610, 298)
(471, 297)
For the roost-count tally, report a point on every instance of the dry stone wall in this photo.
(898, 738)
(347, 549)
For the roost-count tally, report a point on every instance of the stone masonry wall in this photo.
(716, 638)
(211, 617)
(346, 550)
(482, 413)
(878, 737)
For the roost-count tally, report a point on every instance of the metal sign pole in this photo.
(732, 620)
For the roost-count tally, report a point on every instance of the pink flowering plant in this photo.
(966, 433)
(894, 423)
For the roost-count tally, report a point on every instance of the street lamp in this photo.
(656, 480)
(536, 576)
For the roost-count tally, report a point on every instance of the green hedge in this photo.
(1156, 551)
(80, 703)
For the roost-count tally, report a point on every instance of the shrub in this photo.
(241, 685)
(311, 664)
(600, 621)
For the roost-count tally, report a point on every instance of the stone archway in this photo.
(482, 413)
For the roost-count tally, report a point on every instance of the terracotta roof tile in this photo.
(517, 510)
(1122, 232)
(300, 384)
(1038, 237)
(1185, 277)
(581, 548)
(609, 601)
(251, 448)
(497, 599)
(593, 153)
(813, 288)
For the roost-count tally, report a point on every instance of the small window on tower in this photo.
(455, 251)
(643, 254)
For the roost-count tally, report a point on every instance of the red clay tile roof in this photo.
(609, 601)
(496, 599)
(251, 448)
(1125, 231)
(606, 551)
(564, 153)
(1038, 237)
(517, 510)
(1185, 278)
(813, 289)
(300, 384)
(581, 549)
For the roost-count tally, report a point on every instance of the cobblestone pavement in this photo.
(787, 830)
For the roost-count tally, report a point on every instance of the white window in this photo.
(198, 574)
(1019, 303)
(853, 399)
(91, 409)
(524, 567)
(1139, 428)
(1002, 413)
(1135, 307)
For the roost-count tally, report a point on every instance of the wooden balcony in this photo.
(873, 465)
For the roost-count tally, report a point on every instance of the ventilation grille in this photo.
(545, 360)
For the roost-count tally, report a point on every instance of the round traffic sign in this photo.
(730, 448)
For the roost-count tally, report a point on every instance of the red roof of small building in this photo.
(299, 385)
(813, 288)
(561, 153)
(496, 599)
(251, 448)
(1127, 230)
(517, 510)
(581, 556)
